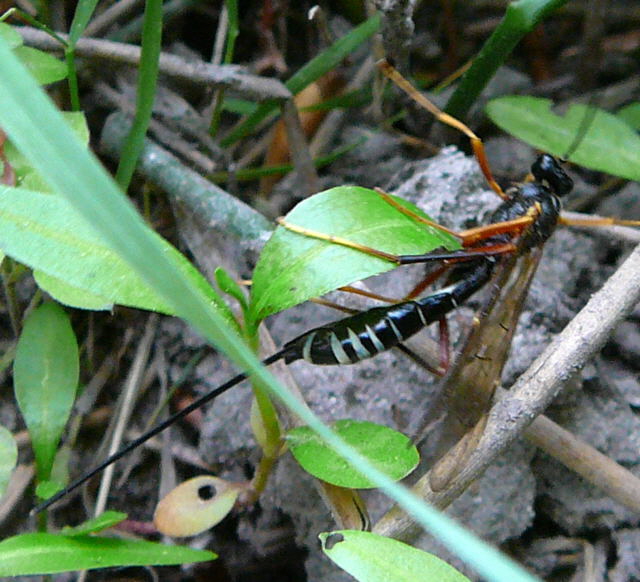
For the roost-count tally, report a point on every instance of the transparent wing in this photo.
(473, 379)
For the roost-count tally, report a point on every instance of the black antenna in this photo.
(154, 431)
(587, 119)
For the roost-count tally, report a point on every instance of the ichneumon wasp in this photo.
(520, 225)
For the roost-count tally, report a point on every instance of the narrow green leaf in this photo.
(103, 521)
(145, 93)
(82, 15)
(229, 286)
(294, 268)
(8, 457)
(608, 145)
(45, 375)
(43, 553)
(44, 67)
(390, 451)
(370, 557)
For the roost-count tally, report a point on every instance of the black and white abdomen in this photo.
(376, 330)
(358, 337)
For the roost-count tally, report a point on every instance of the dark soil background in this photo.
(535, 509)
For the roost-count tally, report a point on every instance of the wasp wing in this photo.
(470, 386)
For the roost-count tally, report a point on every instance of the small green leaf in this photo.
(294, 268)
(103, 521)
(10, 35)
(630, 114)
(45, 375)
(48, 488)
(8, 457)
(391, 452)
(43, 553)
(608, 145)
(370, 557)
(43, 66)
(229, 286)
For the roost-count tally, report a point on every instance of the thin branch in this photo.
(196, 73)
(209, 202)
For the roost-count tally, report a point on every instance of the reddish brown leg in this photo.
(445, 345)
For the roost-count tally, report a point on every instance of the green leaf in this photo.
(45, 375)
(630, 114)
(83, 13)
(71, 295)
(44, 67)
(390, 451)
(43, 553)
(294, 268)
(609, 145)
(45, 233)
(103, 521)
(10, 35)
(48, 488)
(370, 557)
(8, 457)
(228, 285)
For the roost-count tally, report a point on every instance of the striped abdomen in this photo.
(376, 330)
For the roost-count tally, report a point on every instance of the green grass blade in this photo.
(81, 17)
(147, 82)
(312, 71)
(521, 17)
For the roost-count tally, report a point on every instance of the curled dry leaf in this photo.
(196, 505)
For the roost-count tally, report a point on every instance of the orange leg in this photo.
(468, 238)
(597, 221)
(476, 143)
(404, 210)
